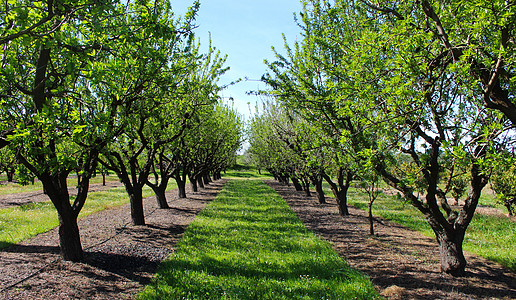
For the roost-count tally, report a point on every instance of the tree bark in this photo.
(317, 182)
(370, 215)
(199, 181)
(69, 237)
(193, 183)
(136, 200)
(450, 252)
(206, 178)
(161, 198)
(340, 190)
(306, 186)
(181, 187)
(296, 183)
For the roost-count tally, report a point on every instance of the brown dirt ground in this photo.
(120, 258)
(402, 263)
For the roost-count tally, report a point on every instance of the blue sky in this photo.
(245, 31)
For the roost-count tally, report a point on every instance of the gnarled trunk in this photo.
(450, 252)
(161, 198)
(69, 237)
(206, 178)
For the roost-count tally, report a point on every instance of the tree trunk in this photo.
(103, 179)
(317, 182)
(161, 198)
(181, 187)
(206, 178)
(199, 181)
(136, 199)
(370, 215)
(342, 201)
(297, 185)
(340, 191)
(69, 237)
(306, 186)
(10, 174)
(450, 251)
(193, 183)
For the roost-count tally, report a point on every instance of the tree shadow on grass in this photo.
(398, 256)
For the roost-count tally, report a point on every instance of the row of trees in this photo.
(420, 94)
(120, 84)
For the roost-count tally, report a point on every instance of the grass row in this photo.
(248, 244)
(491, 237)
(23, 222)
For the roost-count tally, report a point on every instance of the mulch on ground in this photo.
(402, 263)
(120, 258)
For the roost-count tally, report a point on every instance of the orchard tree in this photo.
(63, 63)
(197, 90)
(48, 119)
(503, 182)
(146, 69)
(397, 82)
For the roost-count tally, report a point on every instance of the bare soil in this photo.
(120, 258)
(402, 263)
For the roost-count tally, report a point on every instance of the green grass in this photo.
(248, 244)
(491, 237)
(14, 188)
(23, 222)
(246, 172)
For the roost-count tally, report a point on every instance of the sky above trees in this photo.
(245, 31)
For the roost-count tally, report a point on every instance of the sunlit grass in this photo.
(14, 188)
(248, 244)
(23, 222)
(246, 172)
(491, 237)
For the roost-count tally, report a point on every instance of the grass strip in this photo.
(491, 237)
(248, 244)
(23, 222)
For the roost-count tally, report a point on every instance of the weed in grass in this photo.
(248, 244)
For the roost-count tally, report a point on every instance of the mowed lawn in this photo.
(248, 244)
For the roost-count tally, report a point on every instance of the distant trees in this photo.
(92, 82)
(410, 91)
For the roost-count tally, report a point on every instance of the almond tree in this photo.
(150, 65)
(48, 117)
(399, 82)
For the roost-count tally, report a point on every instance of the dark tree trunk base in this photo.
(451, 255)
